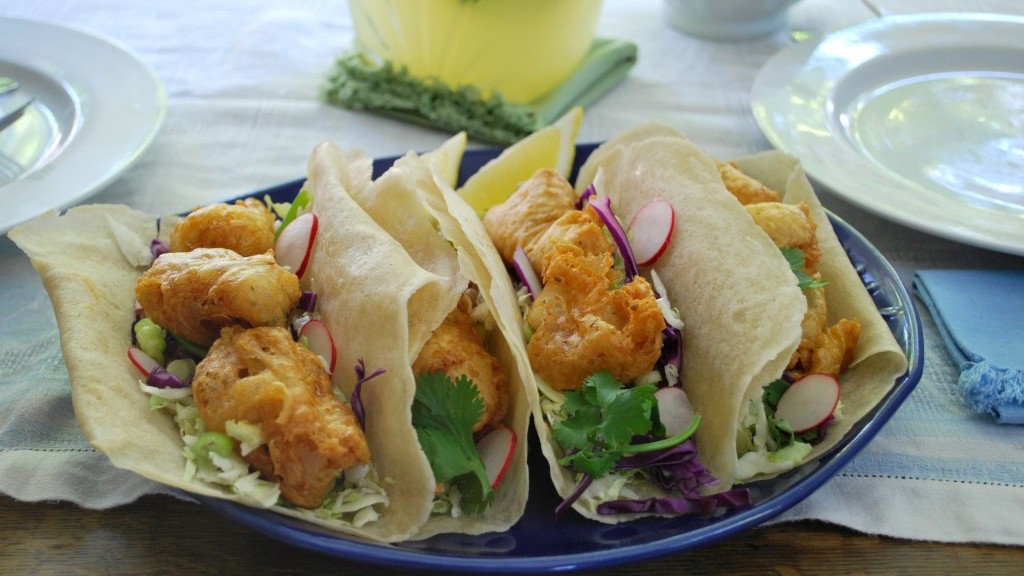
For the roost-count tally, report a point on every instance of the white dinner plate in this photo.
(919, 119)
(96, 108)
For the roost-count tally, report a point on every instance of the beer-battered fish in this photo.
(194, 294)
(261, 376)
(529, 212)
(583, 324)
(743, 187)
(822, 348)
(582, 228)
(789, 225)
(456, 348)
(247, 227)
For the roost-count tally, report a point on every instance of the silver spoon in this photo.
(7, 85)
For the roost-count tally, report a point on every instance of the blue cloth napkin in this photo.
(980, 314)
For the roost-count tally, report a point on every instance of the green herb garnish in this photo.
(443, 413)
(356, 82)
(795, 257)
(290, 210)
(601, 421)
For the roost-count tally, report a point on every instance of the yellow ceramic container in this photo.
(519, 48)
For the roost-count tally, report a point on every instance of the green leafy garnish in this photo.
(780, 430)
(795, 258)
(601, 420)
(443, 413)
(773, 392)
(356, 82)
(290, 210)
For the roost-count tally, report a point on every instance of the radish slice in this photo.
(320, 342)
(496, 450)
(808, 402)
(295, 243)
(527, 275)
(144, 362)
(651, 231)
(674, 409)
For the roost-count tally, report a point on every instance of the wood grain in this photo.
(161, 535)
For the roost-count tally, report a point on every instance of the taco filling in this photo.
(766, 442)
(223, 338)
(605, 345)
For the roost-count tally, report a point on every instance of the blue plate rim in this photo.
(867, 259)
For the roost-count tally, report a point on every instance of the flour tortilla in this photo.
(412, 202)
(90, 259)
(735, 293)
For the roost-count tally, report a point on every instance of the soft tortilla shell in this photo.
(88, 260)
(878, 360)
(414, 205)
(735, 293)
(716, 345)
(91, 285)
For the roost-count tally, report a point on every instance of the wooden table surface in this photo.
(162, 535)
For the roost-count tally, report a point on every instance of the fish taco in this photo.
(656, 313)
(463, 361)
(260, 352)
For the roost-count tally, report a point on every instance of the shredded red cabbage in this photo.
(678, 471)
(161, 378)
(703, 505)
(587, 194)
(307, 301)
(527, 275)
(157, 248)
(671, 349)
(356, 400)
(603, 206)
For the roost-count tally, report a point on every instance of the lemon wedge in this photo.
(447, 158)
(553, 146)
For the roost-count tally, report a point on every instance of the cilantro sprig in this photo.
(602, 419)
(795, 257)
(443, 413)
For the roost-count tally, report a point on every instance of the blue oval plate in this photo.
(539, 542)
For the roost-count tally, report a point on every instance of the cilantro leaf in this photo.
(443, 413)
(600, 420)
(773, 392)
(795, 257)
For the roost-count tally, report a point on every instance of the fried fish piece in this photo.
(247, 227)
(746, 189)
(529, 212)
(262, 377)
(814, 322)
(833, 348)
(456, 348)
(789, 225)
(821, 347)
(194, 294)
(583, 323)
(582, 228)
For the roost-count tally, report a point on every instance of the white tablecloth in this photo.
(242, 80)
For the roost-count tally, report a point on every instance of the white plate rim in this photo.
(122, 108)
(830, 160)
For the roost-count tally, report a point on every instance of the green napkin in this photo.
(355, 82)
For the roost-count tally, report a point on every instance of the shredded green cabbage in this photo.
(353, 500)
